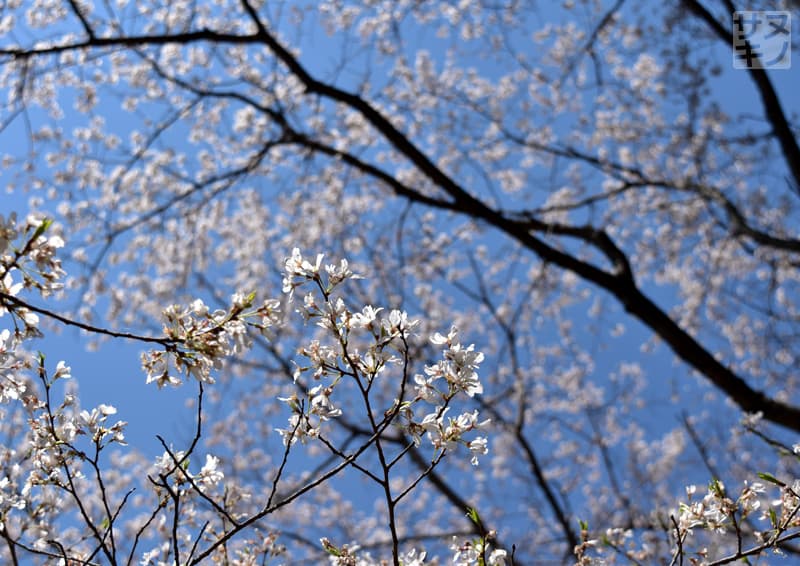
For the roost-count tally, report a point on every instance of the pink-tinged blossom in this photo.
(210, 474)
(591, 146)
(321, 403)
(299, 428)
(62, 371)
(398, 323)
(439, 339)
(465, 555)
(425, 388)
(166, 463)
(366, 318)
(478, 447)
(339, 273)
(297, 270)
(9, 499)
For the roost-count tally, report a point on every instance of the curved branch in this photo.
(6, 300)
(20, 53)
(769, 98)
(619, 283)
(76, 9)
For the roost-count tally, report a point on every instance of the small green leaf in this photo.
(330, 548)
(42, 228)
(771, 479)
(773, 518)
(715, 486)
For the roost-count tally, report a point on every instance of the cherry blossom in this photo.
(538, 260)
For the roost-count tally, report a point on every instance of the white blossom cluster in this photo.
(572, 179)
(196, 341)
(27, 261)
(388, 341)
(718, 512)
(202, 339)
(772, 519)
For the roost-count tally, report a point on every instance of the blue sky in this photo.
(111, 374)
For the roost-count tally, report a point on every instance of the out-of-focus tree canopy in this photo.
(589, 192)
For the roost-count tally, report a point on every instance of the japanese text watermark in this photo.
(762, 40)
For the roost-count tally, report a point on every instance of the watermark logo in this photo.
(762, 40)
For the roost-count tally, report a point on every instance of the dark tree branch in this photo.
(769, 98)
(620, 284)
(76, 9)
(8, 300)
(207, 35)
